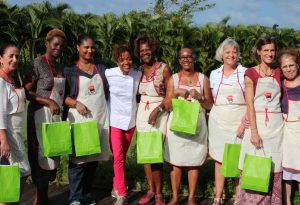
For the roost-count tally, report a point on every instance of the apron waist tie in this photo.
(147, 106)
(267, 116)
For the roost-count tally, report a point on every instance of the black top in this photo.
(71, 74)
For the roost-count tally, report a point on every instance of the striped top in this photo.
(216, 75)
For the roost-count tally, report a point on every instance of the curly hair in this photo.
(118, 50)
(290, 52)
(150, 40)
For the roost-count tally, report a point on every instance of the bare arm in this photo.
(4, 145)
(249, 94)
(154, 114)
(80, 107)
(208, 99)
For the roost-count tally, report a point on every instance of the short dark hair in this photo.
(145, 38)
(84, 37)
(5, 46)
(118, 50)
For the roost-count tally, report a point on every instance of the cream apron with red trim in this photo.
(183, 149)
(150, 99)
(291, 139)
(17, 132)
(269, 122)
(91, 94)
(44, 115)
(225, 117)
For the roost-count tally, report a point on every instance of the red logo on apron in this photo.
(230, 98)
(268, 96)
(60, 92)
(91, 89)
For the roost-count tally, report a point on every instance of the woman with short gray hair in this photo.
(227, 85)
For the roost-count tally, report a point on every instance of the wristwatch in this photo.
(75, 104)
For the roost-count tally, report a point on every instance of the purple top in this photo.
(294, 94)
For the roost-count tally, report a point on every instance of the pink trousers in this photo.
(119, 143)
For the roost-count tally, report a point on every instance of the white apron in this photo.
(182, 149)
(17, 133)
(91, 94)
(44, 115)
(291, 139)
(150, 99)
(269, 122)
(225, 117)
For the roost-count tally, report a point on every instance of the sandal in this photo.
(218, 201)
(159, 199)
(146, 198)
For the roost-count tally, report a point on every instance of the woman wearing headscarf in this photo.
(45, 85)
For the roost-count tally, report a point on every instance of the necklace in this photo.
(265, 73)
(89, 70)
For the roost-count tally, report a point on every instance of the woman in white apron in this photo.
(151, 115)
(290, 103)
(123, 85)
(86, 91)
(184, 150)
(12, 113)
(224, 125)
(263, 91)
(45, 89)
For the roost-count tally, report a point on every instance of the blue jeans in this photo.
(80, 180)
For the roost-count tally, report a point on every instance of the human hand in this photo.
(246, 122)
(153, 116)
(240, 131)
(180, 92)
(4, 148)
(256, 140)
(54, 108)
(81, 108)
(195, 94)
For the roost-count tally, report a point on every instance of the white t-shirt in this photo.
(216, 75)
(8, 102)
(122, 101)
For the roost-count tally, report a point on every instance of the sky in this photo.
(285, 13)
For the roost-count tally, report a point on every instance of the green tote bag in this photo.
(86, 138)
(230, 160)
(185, 116)
(9, 183)
(149, 147)
(56, 139)
(256, 173)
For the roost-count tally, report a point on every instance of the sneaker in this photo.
(115, 193)
(75, 203)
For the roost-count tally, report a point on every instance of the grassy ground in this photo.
(136, 178)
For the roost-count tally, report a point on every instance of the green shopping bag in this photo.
(149, 147)
(185, 116)
(86, 138)
(9, 183)
(230, 160)
(56, 139)
(256, 173)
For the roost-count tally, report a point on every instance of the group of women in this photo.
(245, 105)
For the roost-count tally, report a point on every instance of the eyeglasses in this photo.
(288, 66)
(186, 58)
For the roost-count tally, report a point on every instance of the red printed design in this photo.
(230, 98)
(60, 92)
(268, 96)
